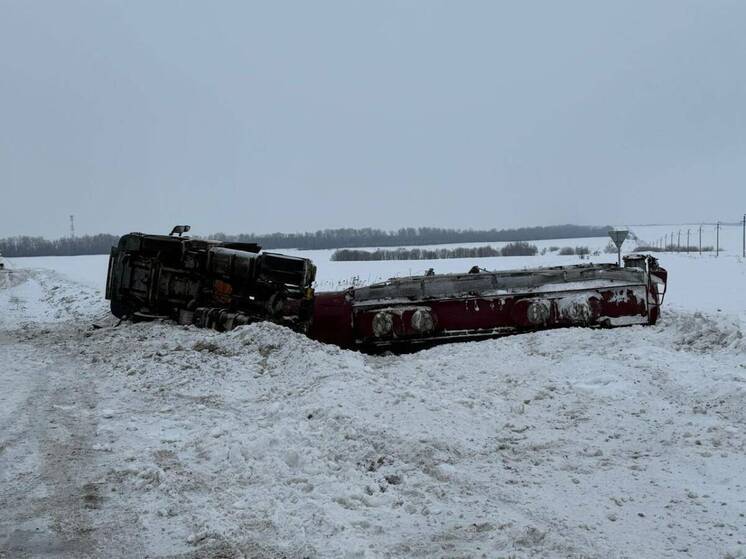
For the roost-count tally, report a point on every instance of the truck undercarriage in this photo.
(207, 283)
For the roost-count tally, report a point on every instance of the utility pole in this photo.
(687, 241)
(700, 240)
(72, 226)
(744, 235)
(717, 239)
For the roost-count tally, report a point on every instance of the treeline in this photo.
(367, 237)
(323, 239)
(571, 251)
(519, 248)
(68, 246)
(675, 248)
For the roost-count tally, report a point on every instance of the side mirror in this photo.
(180, 230)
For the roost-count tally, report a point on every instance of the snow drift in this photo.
(159, 440)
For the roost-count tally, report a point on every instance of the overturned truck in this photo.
(207, 283)
(223, 285)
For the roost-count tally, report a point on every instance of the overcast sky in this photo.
(294, 116)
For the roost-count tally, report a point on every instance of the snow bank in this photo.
(167, 440)
(30, 296)
(550, 444)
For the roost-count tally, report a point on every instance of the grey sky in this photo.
(293, 116)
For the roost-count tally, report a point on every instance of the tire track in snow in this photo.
(54, 503)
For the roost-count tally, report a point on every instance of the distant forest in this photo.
(367, 237)
(67, 246)
(324, 239)
(520, 248)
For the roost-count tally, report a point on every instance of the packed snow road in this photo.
(155, 440)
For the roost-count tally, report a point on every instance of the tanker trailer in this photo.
(408, 313)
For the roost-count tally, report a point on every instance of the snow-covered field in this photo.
(155, 440)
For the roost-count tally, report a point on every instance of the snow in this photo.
(155, 440)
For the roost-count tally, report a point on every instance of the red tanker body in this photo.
(408, 313)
